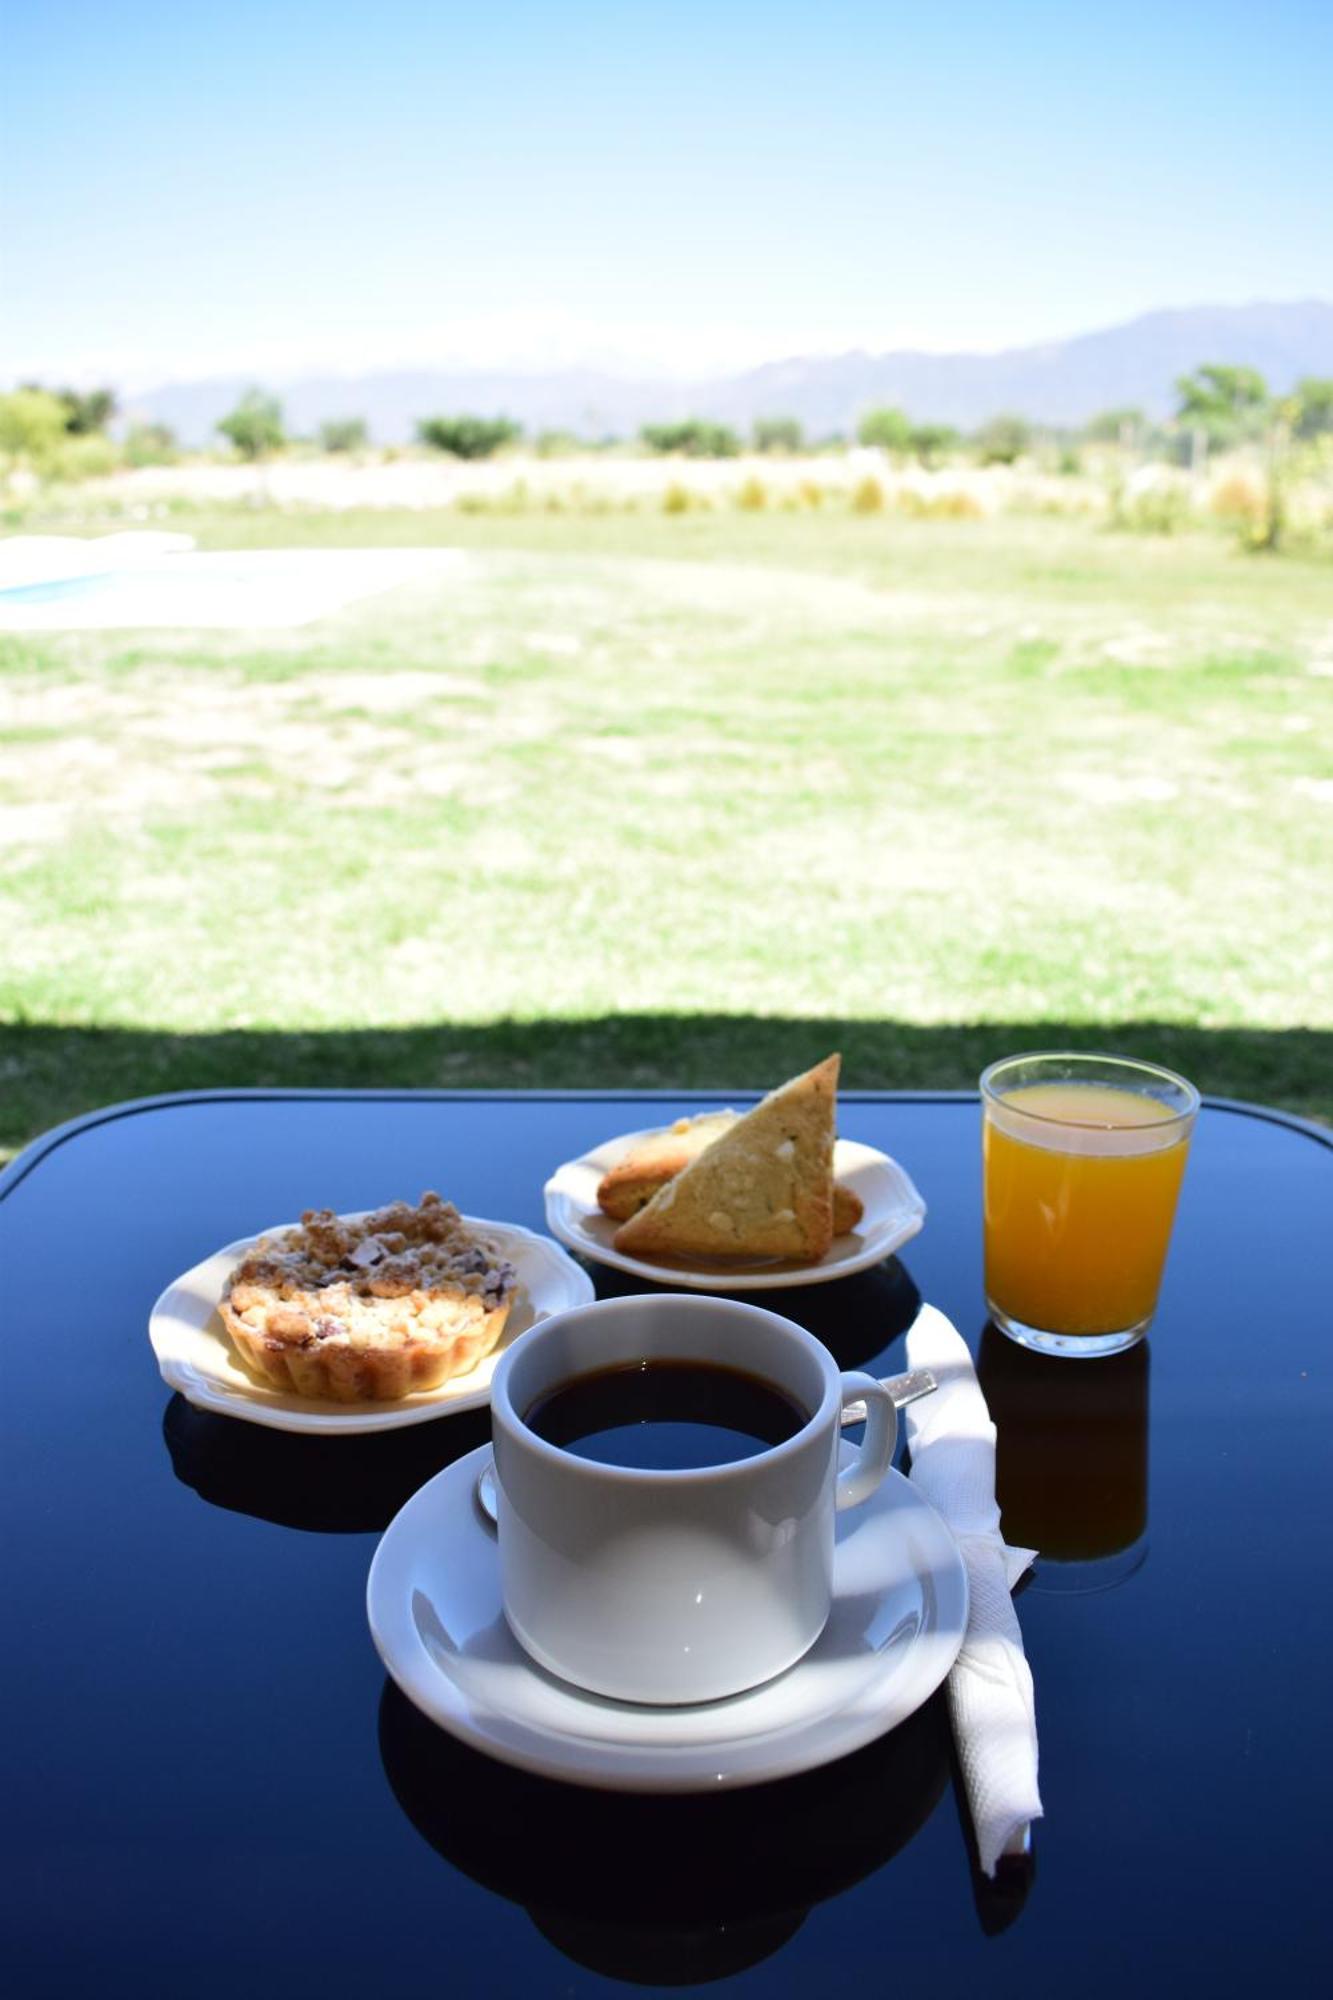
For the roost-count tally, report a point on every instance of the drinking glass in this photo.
(1082, 1163)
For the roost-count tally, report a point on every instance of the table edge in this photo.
(41, 1148)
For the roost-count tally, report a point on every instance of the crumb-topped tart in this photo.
(367, 1309)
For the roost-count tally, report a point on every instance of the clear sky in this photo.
(273, 186)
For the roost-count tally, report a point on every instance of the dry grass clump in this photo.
(752, 497)
(868, 497)
(677, 499)
(1239, 498)
(953, 503)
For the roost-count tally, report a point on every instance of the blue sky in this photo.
(287, 186)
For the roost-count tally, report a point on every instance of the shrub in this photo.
(677, 499)
(254, 427)
(1240, 498)
(342, 434)
(1159, 509)
(752, 497)
(930, 442)
(954, 504)
(777, 434)
(694, 438)
(32, 426)
(150, 444)
(868, 497)
(83, 455)
(810, 493)
(889, 429)
(1003, 440)
(556, 444)
(468, 437)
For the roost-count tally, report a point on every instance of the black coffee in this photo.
(666, 1416)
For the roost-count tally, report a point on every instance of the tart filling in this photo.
(371, 1308)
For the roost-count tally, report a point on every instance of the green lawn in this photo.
(662, 800)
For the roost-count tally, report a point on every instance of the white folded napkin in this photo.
(952, 1442)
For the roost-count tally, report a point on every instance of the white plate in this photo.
(196, 1356)
(898, 1619)
(894, 1211)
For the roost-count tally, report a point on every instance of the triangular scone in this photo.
(763, 1188)
(652, 1161)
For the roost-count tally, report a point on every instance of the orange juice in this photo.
(1080, 1184)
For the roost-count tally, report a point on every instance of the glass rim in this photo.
(1077, 1057)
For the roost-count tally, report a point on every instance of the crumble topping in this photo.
(400, 1274)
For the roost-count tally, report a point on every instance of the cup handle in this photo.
(875, 1457)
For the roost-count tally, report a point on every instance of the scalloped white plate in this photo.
(196, 1356)
(898, 1619)
(894, 1212)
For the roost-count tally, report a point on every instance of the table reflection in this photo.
(665, 1890)
(1071, 1460)
(855, 1317)
(328, 1485)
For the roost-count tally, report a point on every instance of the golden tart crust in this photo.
(369, 1309)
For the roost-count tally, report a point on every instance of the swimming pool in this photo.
(239, 590)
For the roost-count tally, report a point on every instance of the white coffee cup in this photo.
(675, 1586)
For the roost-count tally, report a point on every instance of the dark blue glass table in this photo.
(211, 1787)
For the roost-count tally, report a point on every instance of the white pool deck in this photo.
(67, 583)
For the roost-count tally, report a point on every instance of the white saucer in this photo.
(894, 1211)
(898, 1619)
(196, 1356)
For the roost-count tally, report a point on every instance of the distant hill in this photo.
(1062, 382)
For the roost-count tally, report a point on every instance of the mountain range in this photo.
(1061, 383)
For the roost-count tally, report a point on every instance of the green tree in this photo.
(342, 434)
(1116, 426)
(777, 434)
(932, 442)
(1228, 404)
(32, 426)
(1003, 440)
(887, 428)
(467, 437)
(254, 427)
(87, 411)
(1314, 406)
(695, 437)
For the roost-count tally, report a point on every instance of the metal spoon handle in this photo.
(902, 1388)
